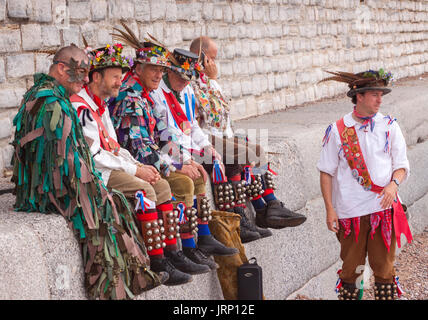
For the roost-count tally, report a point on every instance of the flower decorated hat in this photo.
(149, 51)
(186, 64)
(363, 81)
(107, 57)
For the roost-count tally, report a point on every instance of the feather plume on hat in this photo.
(129, 38)
(158, 43)
(49, 52)
(362, 81)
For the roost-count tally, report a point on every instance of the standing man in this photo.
(363, 162)
(54, 173)
(119, 168)
(242, 159)
(175, 102)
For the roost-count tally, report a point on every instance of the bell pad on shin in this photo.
(268, 181)
(170, 220)
(190, 225)
(385, 291)
(204, 210)
(349, 292)
(153, 234)
(224, 197)
(239, 191)
(255, 188)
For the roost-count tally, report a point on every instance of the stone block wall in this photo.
(272, 53)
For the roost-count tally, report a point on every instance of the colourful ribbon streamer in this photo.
(400, 291)
(139, 195)
(218, 174)
(327, 135)
(181, 217)
(386, 149)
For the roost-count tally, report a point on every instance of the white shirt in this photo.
(197, 139)
(349, 198)
(105, 161)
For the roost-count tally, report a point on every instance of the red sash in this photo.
(354, 156)
(107, 142)
(177, 112)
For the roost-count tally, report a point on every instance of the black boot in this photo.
(247, 233)
(277, 216)
(264, 232)
(176, 277)
(197, 256)
(184, 264)
(210, 246)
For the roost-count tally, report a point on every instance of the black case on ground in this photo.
(250, 282)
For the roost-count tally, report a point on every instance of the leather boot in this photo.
(176, 277)
(210, 246)
(246, 232)
(275, 215)
(247, 228)
(184, 264)
(196, 255)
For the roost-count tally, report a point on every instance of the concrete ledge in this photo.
(40, 258)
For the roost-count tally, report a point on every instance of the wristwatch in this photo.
(396, 182)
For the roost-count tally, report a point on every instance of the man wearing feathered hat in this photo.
(174, 100)
(363, 162)
(54, 173)
(141, 183)
(141, 130)
(246, 165)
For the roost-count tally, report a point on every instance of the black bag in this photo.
(250, 283)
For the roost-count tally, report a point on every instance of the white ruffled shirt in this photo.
(105, 161)
(197, 139)
(349, 198)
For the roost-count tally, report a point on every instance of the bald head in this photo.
(70, 67)
(203, 42)
(66, 53)
(206, 44)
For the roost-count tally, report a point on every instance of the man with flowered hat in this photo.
(175, 102)
(140, 130)
(363, 162)
(247, 168)
(140, 183)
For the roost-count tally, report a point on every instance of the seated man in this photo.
(213, 116)
(54, 173)
(172, 103)
(122, 172)
(140, 130)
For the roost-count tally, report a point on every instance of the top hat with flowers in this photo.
(109, 56)
(186, 64)
(363, 81)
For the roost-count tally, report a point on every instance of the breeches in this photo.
(184, 188)
(354, 253)
(160, 192)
